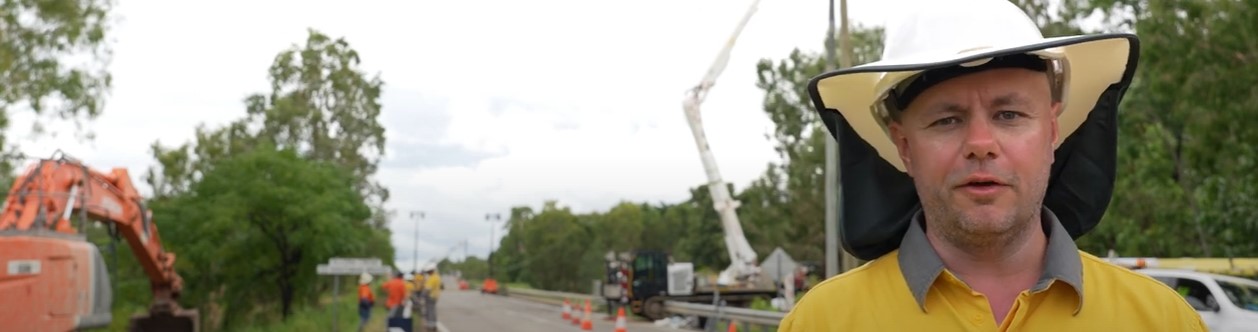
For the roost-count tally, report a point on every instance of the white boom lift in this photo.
(743, 263)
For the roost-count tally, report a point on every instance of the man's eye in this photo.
(1007, 115)
(945, 121)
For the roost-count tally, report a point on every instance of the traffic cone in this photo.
(733, 326)
(576, 316)
(567, 310)
(620, 321)
(587, 324)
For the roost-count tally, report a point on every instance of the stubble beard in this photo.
(987, 233)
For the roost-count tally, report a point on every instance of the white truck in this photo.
(1225, 303)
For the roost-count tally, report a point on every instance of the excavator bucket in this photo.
(186, 320)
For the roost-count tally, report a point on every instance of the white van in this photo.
(1225, 303)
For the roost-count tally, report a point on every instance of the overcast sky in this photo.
(487, 104)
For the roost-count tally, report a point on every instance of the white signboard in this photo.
(325, 269)
(354, 262)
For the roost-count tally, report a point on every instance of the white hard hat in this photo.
(364, 279)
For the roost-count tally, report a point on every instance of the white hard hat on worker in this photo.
(932, 39)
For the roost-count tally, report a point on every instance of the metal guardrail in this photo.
(557, 297)
(743, 315)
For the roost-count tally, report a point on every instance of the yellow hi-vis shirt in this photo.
(909, 289)
(432, 284)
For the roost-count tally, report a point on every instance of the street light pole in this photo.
(489, 261)
(415, 254)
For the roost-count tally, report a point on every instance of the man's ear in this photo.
(902, 145)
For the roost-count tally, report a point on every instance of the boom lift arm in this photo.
(45, 197)
(742, 257)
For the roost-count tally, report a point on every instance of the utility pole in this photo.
(834, 195)
(845, 41)
(415, 254)
(489, 217)
(832, 170)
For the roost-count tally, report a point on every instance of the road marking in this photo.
(442, 327)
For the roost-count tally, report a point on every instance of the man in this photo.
(430, 293)
(414, 288)
(396, 290)
(953, 140)
(366, 299)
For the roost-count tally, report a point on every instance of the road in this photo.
(469, 311)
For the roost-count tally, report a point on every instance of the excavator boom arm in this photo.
(50, 192)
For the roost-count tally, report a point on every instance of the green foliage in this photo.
(471, 268)
(319, 317)
(264, 220)
(252, 207)
(786, 205)
(321, 104)
(1187, 163)
(52, 58)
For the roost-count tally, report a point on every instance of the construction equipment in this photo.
(647, 278)
(742, 257)
(55, 280)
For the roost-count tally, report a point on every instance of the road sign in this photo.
(325, 269)
(354, 262)
(343, 266)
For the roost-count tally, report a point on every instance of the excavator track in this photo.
(183, 320)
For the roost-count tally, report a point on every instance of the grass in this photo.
(518, 285)
(316, 318)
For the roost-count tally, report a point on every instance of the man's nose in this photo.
(980, 143)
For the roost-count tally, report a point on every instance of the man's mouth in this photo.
(982, 185)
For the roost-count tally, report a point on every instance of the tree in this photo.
(791, 192)
(37, 41)
(321, 104)
(1187, 166)
(263, 220)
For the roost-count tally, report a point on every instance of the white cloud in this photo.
(578, 101)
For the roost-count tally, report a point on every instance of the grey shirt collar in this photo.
(920, 264)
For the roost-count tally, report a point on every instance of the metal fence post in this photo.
(336, 293)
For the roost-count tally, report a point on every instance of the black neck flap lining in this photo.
(878, 200)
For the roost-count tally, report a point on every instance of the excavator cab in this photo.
(59, 282)
(53, 282)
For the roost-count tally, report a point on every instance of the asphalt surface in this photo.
(469, 311)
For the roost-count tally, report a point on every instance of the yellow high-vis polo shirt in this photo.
(910, 289)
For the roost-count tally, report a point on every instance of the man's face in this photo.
(979, 148)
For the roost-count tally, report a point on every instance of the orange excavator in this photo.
(52, 278)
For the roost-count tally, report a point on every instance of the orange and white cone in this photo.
(587, 324)
(620, 321)
(567, 310)
(733, 326)
(576, 315)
